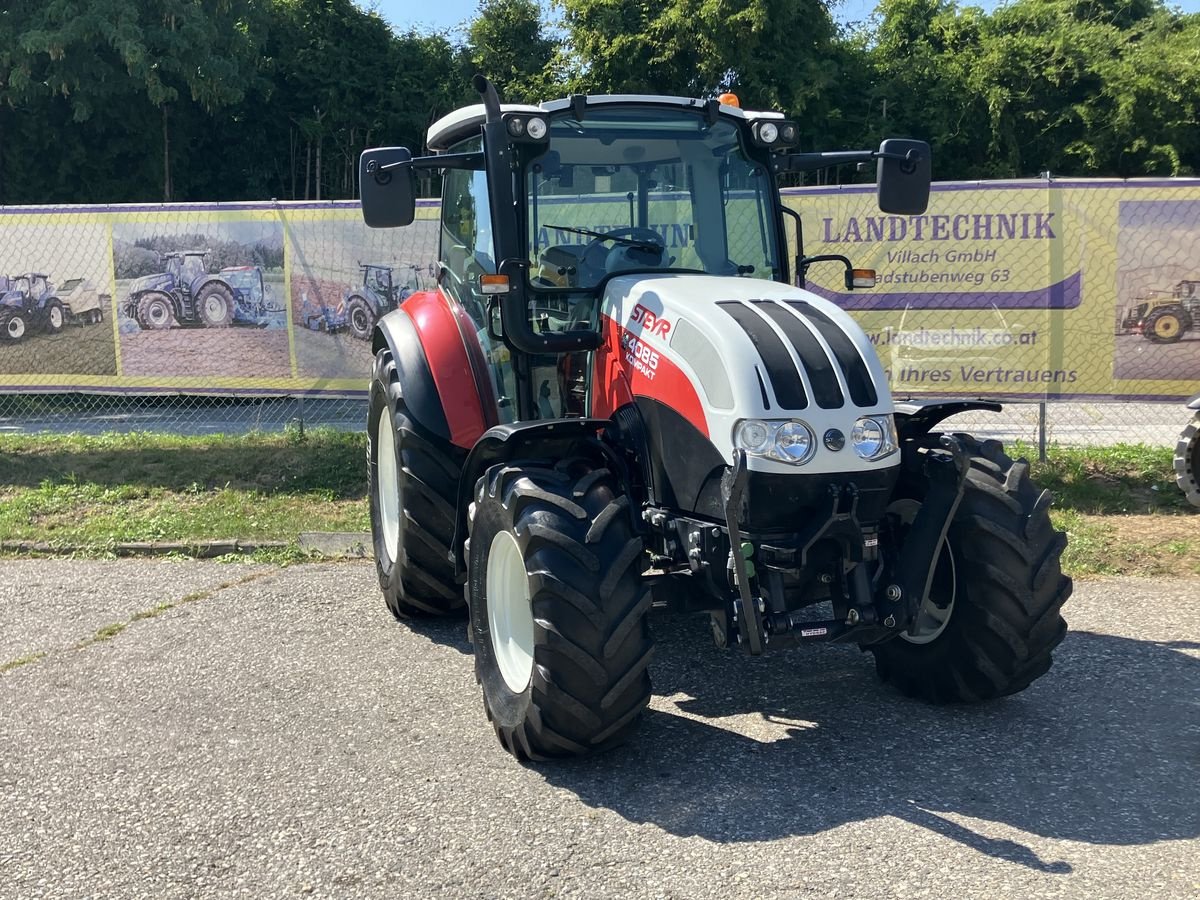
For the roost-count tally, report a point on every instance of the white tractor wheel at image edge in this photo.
(1187, 461)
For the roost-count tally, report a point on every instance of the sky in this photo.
(449, 14)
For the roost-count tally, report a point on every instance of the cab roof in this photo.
(466, 122)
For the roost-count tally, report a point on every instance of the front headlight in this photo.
(874, 437)
(785, 440)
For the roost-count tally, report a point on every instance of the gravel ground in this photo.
(278, 735)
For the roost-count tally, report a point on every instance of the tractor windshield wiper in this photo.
(641, 245)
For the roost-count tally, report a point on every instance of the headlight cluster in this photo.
(526, 128)
(776, 133)
(874, 437)
(793, 441)
(787, 440)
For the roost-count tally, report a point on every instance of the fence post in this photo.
(1041, 431)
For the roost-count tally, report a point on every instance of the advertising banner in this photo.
(249, 299)
(1040, 290)
(1035, 289)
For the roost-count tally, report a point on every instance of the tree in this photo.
(507, 42)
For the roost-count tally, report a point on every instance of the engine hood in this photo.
(159, 282)
(751, 349)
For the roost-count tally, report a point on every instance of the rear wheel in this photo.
(993, 616)
(413, 489)
(154, 312)
(1165, 325)
(1187, 461)
(13, 325)
(558, 608)
(214, 303)
(56, 316)
(360, 318)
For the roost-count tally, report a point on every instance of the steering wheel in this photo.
(594, 255)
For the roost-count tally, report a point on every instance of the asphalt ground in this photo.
(276, 733)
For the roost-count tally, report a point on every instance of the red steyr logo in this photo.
(655, 325)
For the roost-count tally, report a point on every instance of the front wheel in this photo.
(413, 489)
(1187, 461)
(558, 608)
(993, 615)
(13, 325)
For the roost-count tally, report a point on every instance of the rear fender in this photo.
(916, 418)
(554, 439)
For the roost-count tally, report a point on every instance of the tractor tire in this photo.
(1165, 325)
(55, 316)
(214, 305)
(1187, 461)
(413, 488)
(14, 325)
(993, 617)
(558, 608)
(360, 317)
(155, 312)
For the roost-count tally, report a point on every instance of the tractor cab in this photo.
(186, 267)
(377, 279)
(619, 395)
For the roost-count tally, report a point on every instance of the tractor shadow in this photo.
(1103, 750)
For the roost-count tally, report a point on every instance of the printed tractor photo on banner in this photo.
(1158, 291)
(345, 277)
(202, 298)
(55, 300)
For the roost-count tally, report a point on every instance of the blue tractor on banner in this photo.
(379, 293)
(27, 303)
(188, 294)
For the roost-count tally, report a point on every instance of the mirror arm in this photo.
(446, 161)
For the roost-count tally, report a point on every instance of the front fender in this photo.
(916, 418)
(555, 438)
(398, 333)
(1194, 403)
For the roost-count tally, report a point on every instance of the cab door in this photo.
(466, 252)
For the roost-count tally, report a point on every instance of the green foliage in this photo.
(124, 100)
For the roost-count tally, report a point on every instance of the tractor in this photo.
(617, 400)
(1187, 456)
(1164, 317)
(188, 294)
(29, 302)
(379, 294)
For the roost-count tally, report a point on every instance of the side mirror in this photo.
(388, 186)
(902, 175)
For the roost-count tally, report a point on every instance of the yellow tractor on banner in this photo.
(1164, 317)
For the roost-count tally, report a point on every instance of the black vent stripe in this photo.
(821, 375)
(854, 367)
(781, 368)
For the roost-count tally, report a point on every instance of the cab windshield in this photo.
(647, 189)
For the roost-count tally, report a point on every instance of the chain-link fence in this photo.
(1076, 303)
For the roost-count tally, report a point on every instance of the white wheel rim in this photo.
(215, 307)
(56, 317)
(16, 327)
(387, 485)
(158, 313)
(510, 611)
(931, 619)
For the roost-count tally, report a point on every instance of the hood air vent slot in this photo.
(781, 369)
(826, 390)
